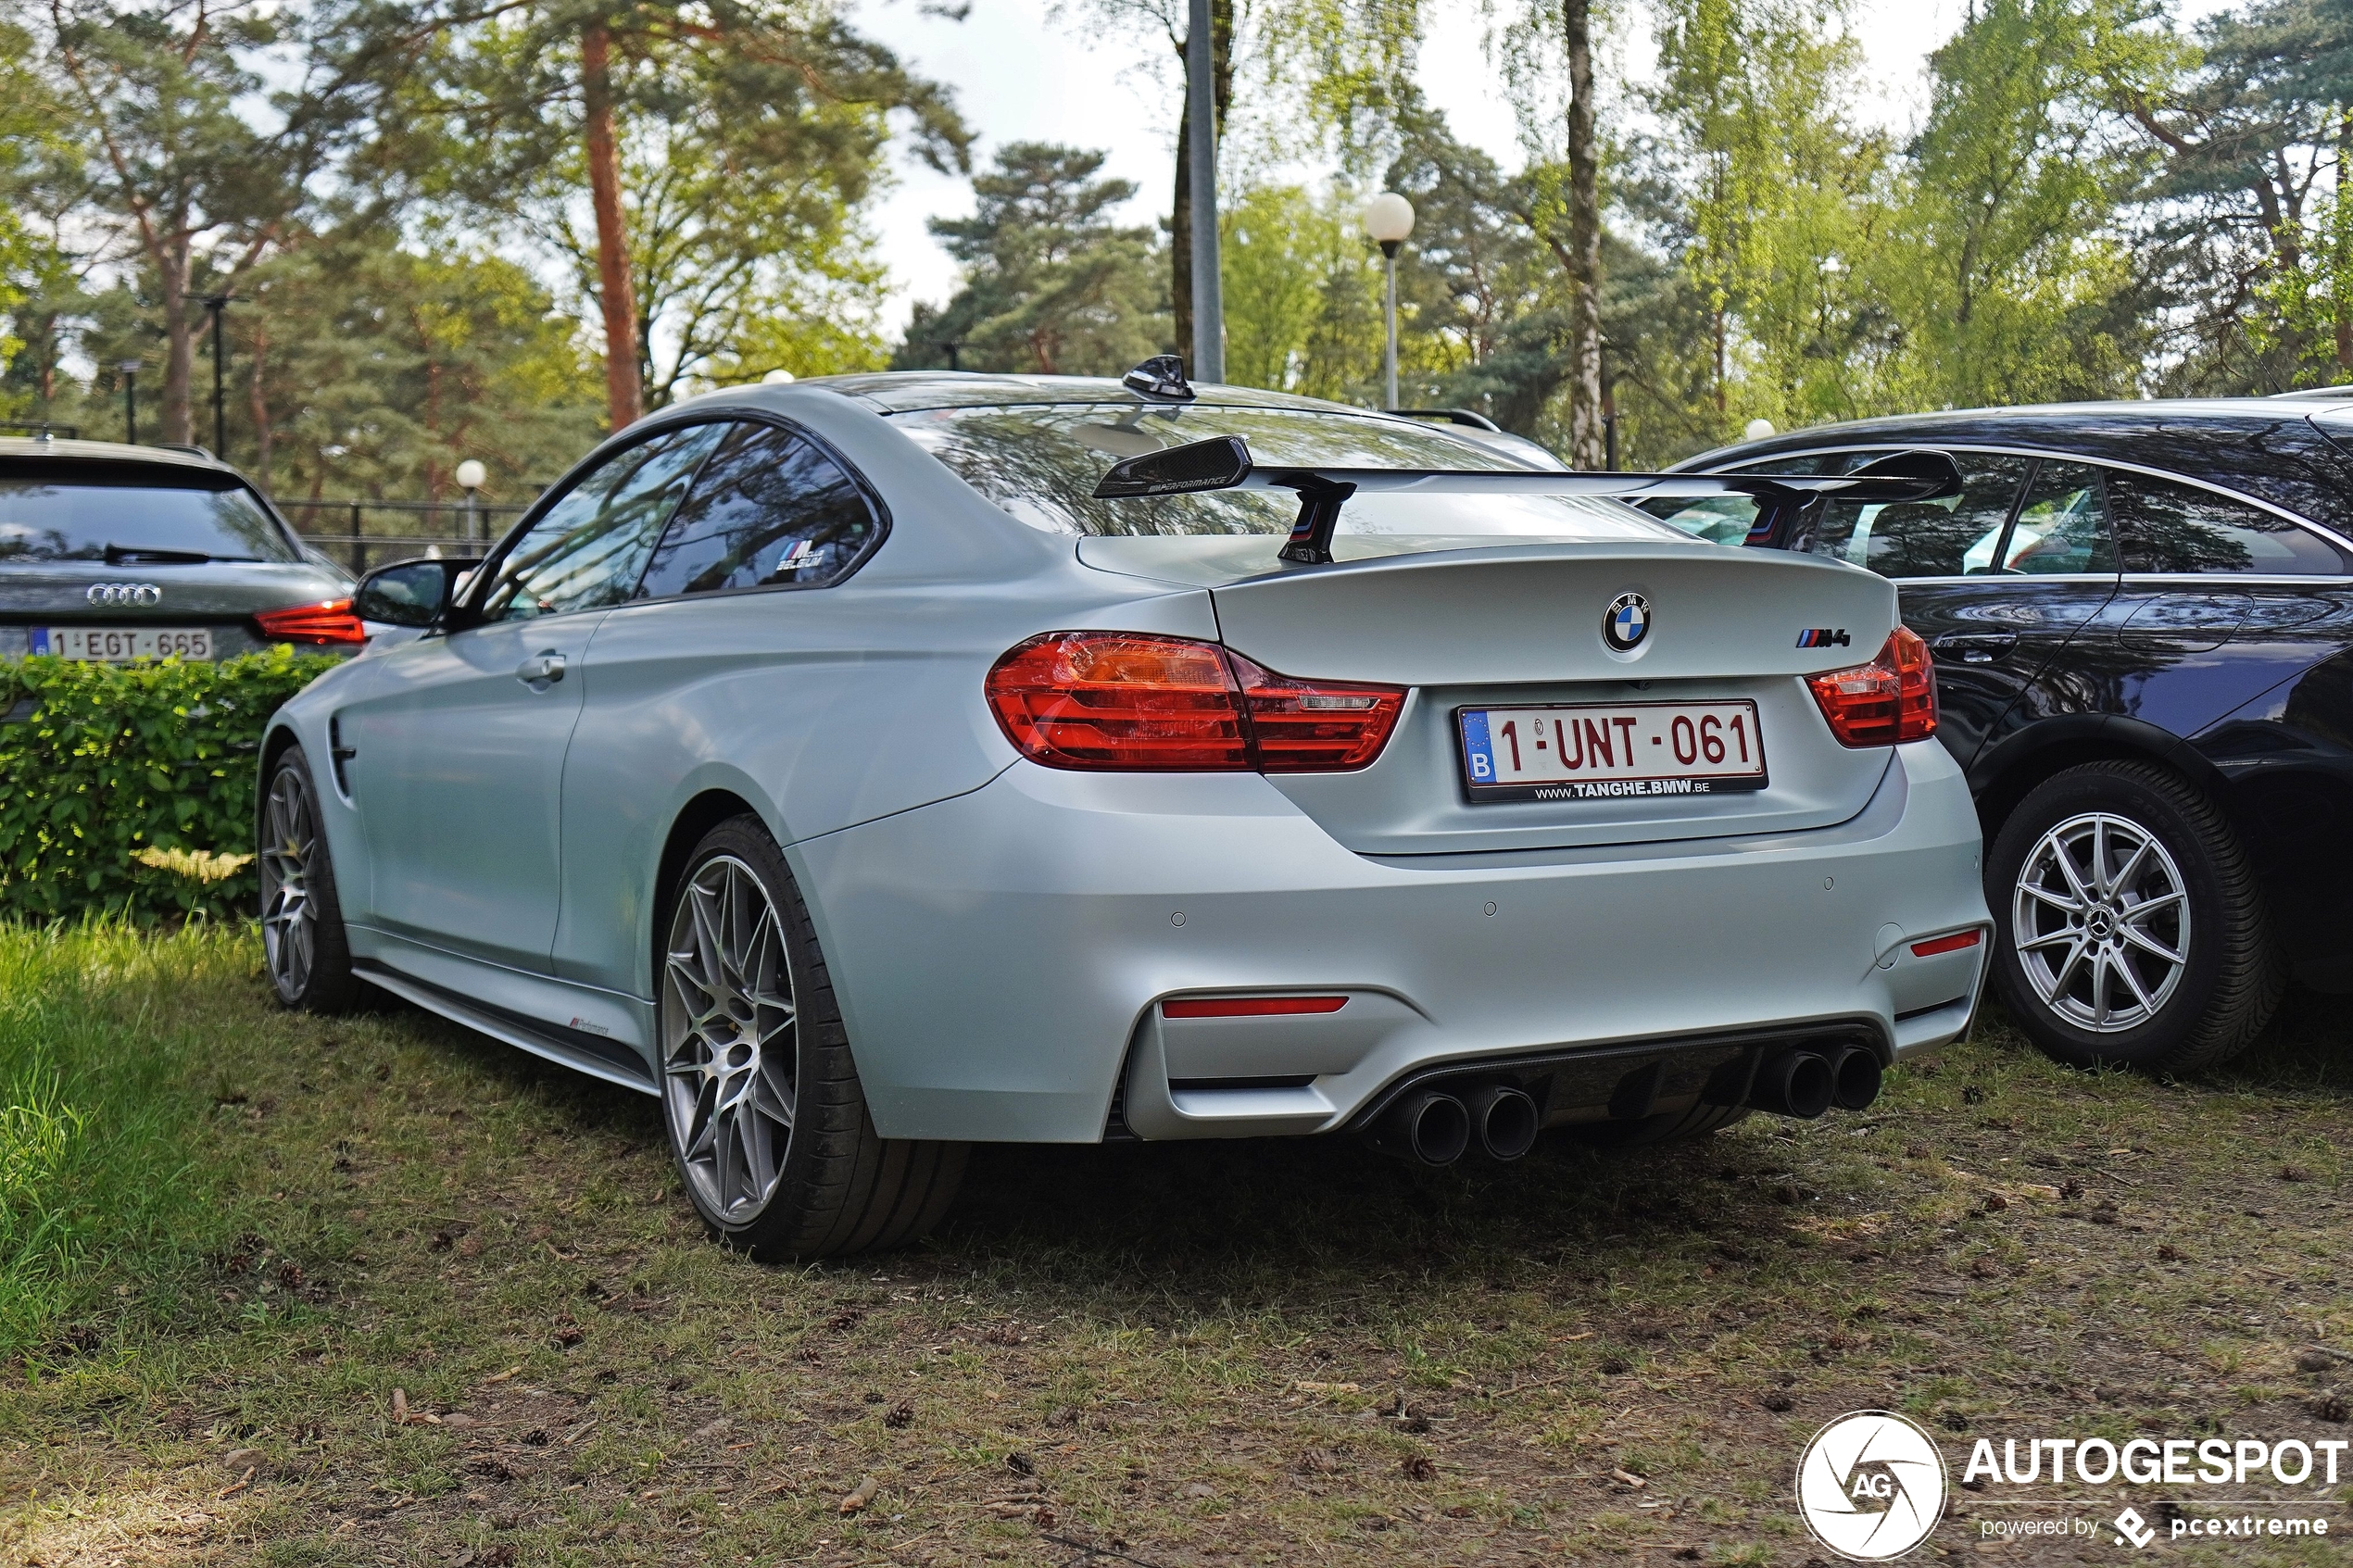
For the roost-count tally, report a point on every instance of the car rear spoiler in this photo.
(1223, 462)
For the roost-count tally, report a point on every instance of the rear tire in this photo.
(1668, 1126)
(760, 1100)
(303, 940)
(2146, 940)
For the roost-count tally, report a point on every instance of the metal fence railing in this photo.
(364, 534)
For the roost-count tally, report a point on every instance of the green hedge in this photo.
(101, 762)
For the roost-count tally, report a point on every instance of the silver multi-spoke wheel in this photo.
(289, 912)
(729, 1045)
(2101, 922)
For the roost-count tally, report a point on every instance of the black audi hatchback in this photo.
(118, 553)
(2142, 618)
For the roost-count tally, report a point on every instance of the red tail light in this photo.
(1891, 699)
(1126, 701)
(326, 622)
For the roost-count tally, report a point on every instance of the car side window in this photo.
(769, 509)
(2063, 527)
(2166, 527)
(587, 550)
(1954, 536)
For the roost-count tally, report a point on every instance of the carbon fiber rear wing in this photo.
(1224, 462)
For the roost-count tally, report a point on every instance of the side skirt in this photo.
(577, 1048)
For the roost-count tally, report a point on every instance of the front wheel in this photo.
(302, 935)
(766, 1118)
(2129, 929)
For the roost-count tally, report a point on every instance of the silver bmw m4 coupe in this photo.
(873, 766)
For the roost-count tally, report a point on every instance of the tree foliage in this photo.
(1052, 286)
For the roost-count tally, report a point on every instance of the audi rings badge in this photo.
(116, 595)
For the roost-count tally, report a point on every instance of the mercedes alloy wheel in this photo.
(2129, 928)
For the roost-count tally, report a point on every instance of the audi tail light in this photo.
(328, 623)
(1125, 701)
(1889, 700)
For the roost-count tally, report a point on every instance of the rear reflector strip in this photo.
(1952, 944)
(1250, 1006)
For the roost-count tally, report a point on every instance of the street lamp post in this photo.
(1200, 110)
(469, 476)
(1387, 219)
(130, 371)
(218, 304)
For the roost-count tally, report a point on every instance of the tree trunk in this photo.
(179, 341)
(1584, 245)
(2341, 261)
(624, 388)
(1180, 223)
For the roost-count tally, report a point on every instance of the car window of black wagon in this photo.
(769, 508)
(2063, 527)
(2167, 527)
(1954, 536)
(588, 550)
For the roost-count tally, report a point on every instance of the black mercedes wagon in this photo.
(2142, 618)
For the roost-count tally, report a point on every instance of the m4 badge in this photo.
(1823, 637)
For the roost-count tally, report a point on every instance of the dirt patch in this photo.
(1181, 1355)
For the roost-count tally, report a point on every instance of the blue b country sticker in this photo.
(1477, 749)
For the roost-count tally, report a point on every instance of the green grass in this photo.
(1216, 1354)
(106, 1036)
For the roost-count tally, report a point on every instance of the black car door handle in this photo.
(540, 670)
(1975, 648)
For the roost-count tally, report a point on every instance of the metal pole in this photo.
(473, 518)
(1201, 107)
(219, 307)
(1389, 359)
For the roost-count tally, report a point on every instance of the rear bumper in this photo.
(1001, 957)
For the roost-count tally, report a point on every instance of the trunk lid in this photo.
(1522, 626)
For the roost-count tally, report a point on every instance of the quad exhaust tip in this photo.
(1796, 1082)
(1855, 1076)
(1432, 1127)
(1804, 1083)
(1504, 1119)
(1437, 1128)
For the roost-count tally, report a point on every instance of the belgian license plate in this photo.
(1603, 752)
(120, 645)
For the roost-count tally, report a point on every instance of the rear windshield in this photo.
(51, 519)
(1040, 463)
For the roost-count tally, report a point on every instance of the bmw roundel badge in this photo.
(1627, 624)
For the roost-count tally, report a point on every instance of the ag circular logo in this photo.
(1627, 622)
(124, 593)
(1872, 1485)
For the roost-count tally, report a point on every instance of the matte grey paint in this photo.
(999, 932)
